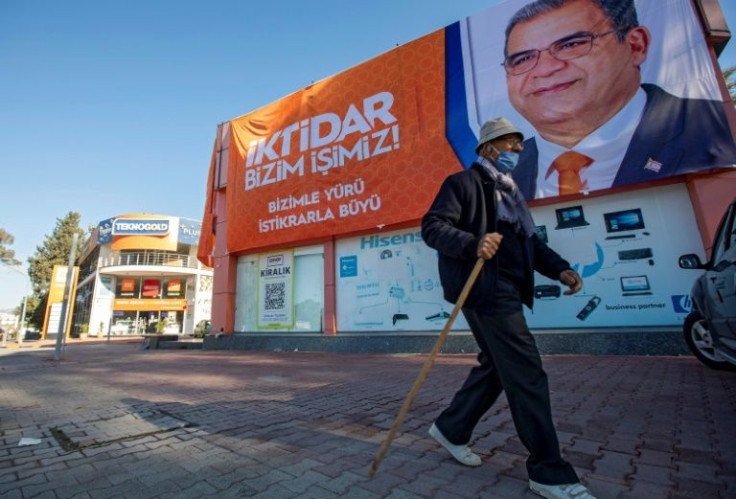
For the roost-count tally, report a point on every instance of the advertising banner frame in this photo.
(290, 160)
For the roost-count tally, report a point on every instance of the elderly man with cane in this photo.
(480, 213)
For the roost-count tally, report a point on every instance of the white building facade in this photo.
(139, 274)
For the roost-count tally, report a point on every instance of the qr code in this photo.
(275, 295)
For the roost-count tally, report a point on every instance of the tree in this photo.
(7, 255)
(54, 251)
(728, 75)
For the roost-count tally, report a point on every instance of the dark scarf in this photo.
(512, 206)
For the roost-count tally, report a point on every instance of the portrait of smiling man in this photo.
(573, 71)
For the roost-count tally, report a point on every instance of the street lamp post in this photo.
(22, 329)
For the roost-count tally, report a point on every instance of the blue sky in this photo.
(111, 108)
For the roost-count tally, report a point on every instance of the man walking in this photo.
(480, 213)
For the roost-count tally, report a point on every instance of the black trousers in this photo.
(509, 360)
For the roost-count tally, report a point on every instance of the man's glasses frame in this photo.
(565, 49)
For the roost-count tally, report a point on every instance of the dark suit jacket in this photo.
(681, 135)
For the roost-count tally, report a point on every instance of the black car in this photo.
(710, 329)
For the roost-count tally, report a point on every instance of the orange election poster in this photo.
(359, 150)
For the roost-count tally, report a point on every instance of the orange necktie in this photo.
(568, 166)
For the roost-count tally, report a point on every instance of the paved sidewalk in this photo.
(13, 344)
(115, 421)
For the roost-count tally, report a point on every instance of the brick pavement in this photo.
(115, 421)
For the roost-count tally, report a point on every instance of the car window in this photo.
(725, 238)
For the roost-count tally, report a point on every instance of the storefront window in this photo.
(303, 287)
(148, 305)
(246, 301)
(308, 292)
(172, 322)
(132, 322)
(89, 265)
(126, 323)
(82, 309)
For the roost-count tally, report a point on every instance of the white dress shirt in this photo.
(606, 146)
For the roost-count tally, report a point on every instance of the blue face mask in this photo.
(506, 161)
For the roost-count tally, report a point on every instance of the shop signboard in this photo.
(140, 227)
(148, 304)
(140, 232)
(189, 231)
(104, 231)
(151, 288)
(127, 287)
(173, 288)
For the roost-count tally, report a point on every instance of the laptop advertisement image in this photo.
(570, 217)
(635, 285)
(620, 223)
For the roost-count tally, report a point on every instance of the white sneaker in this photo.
(566, 491)
(461, 453)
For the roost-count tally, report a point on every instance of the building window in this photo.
(307, 293)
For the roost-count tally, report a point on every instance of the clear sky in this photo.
(109, 108)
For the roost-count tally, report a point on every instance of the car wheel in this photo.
(700, 342)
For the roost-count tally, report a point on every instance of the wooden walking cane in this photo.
(427, 366)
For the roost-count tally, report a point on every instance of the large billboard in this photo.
(628, 87)
(359, 150)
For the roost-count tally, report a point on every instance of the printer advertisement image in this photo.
(390, 281)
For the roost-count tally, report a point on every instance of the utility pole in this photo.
(22, 327)
(65, 301)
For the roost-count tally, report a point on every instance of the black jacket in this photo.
(463, 211)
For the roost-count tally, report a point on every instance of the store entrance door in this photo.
(174, 321)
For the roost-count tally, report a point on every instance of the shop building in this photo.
(139, 274)
(314, 202)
